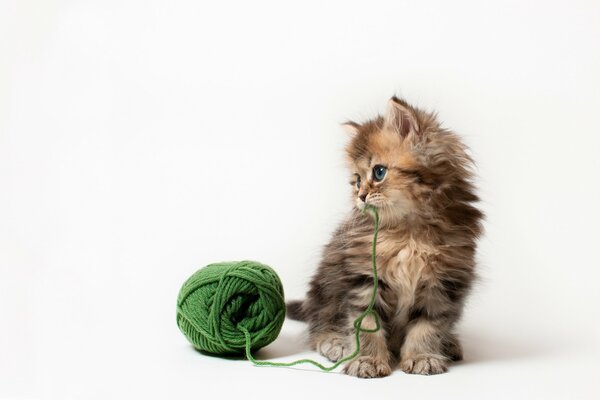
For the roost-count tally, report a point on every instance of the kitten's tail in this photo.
(295, 310)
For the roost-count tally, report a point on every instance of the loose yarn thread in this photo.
(222, 300)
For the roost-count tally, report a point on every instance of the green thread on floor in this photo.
(238, 307)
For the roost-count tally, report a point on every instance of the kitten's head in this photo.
(405, 163)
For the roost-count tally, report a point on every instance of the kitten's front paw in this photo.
(367, 367)
(334, 348)
(424, 365)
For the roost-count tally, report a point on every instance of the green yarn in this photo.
(227, 307)
(238, 308)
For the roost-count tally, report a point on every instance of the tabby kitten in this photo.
(419, 177)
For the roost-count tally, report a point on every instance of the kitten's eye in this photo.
(358, 182)
(379, 172)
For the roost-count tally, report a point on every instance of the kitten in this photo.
(419, 177)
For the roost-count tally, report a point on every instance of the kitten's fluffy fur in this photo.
(425, 252)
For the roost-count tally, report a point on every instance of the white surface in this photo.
(141, 140)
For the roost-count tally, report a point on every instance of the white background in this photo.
(141, 140)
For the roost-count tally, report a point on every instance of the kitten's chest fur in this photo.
(406, 266)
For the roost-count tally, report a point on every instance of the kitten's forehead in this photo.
(380, 146)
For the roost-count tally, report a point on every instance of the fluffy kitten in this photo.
(419, 177)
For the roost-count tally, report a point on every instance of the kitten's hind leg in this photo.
(332, 345)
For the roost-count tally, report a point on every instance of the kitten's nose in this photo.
(363, 197)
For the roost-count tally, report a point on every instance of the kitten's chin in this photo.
(378, 203)
(390, 214)
(380, 206)
(362, 205)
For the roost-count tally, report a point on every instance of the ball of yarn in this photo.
(219, 299)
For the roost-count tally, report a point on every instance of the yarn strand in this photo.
(358, 329)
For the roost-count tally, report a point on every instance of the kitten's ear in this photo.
(400, 117)
(351, 128)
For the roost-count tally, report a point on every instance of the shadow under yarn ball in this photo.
(218, 302)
